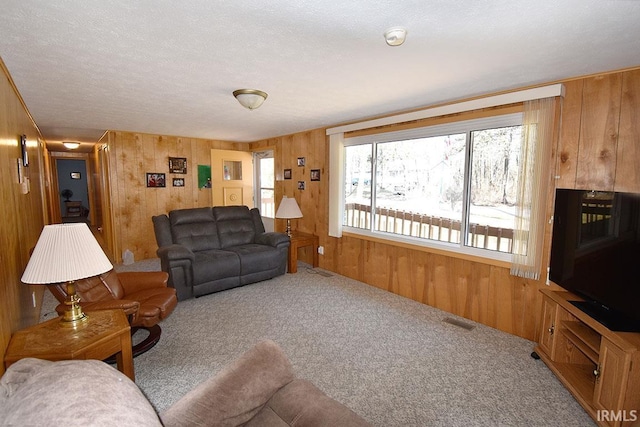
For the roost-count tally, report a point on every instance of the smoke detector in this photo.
(395, 36)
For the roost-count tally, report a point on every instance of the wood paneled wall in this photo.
(131, 156)
(628, 149)
(598, 146)
(22, 214)
(313, 200)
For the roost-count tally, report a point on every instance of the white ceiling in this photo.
(169, 67)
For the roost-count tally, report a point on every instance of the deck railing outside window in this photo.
(428, 227)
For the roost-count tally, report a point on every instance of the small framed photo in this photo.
(287, 174)
(315, 174)
(178, 182)
(300, 185)
(155, 179)
(300, 161)
(177, 165)
(76, 175)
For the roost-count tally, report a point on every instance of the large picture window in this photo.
(451, 185)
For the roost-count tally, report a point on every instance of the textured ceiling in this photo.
(169, 67)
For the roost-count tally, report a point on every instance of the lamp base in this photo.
(288, 227)
(73, 315)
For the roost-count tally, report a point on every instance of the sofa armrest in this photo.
(301, 403)
(176, 260)
(237, 393)
(175, 253)
(38, 392)
(275, 239)
(134, 281)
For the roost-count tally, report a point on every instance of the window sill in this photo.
(436, 248)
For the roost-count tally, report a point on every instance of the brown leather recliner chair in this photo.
(144, 297)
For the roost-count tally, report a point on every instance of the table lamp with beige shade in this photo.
(65, 253)
(288, 209)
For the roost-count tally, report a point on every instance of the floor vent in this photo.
(459, 323)
(323, 273)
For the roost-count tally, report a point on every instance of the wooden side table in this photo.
(105, 333)
(73, 208)
(299, 240)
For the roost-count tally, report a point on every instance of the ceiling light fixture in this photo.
(71, 145)
(250, 98)
(395, 36)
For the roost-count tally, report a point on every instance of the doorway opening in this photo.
(265, 187)
(73, 196)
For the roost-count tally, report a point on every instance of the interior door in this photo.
(231, 178)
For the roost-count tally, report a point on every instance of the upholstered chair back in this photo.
(235, 225)
(107, 286)
(194, 228)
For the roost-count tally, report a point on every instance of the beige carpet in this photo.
(394, 361)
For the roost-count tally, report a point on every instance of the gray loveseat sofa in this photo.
(257, 389)
(207, 250)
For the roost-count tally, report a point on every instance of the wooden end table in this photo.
(103, 334)
(73, 208)
(299, 240)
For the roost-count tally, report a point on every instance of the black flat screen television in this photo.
(595, 253)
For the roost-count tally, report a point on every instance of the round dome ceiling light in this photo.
(250, 98)
(395, 36)
(71, 145)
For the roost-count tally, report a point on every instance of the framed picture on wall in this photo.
(301, 185)
(315, 175)
(178, 182)
(155, 179)
(287, 174)
(177, 165)
(301, 161)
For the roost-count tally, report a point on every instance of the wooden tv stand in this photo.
(600, 367)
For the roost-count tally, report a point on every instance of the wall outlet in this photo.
(321, 250)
